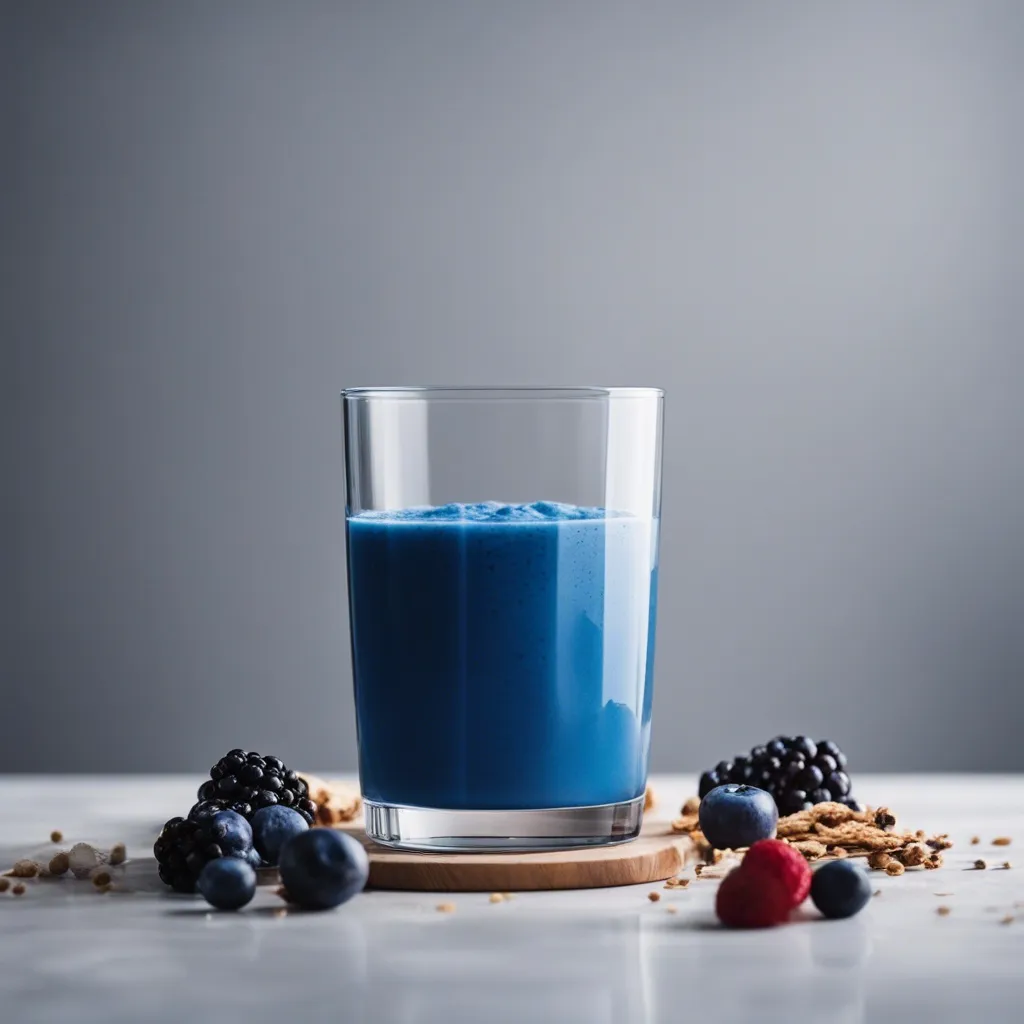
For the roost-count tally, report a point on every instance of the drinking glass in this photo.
(502, 574)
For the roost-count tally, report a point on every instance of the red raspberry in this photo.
(785, 863)
(751, 897)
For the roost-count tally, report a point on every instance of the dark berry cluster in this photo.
(183, 849)
(244, 782)
(796, 771)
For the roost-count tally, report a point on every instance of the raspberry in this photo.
(751, 897)
(786, 864)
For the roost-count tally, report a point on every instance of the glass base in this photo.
(432, 830)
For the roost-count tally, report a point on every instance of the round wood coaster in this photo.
(656, 854)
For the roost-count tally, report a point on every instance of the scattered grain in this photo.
(18, 890)
(654, 896)
(672, 910)
(118, 853)
(101, 878)
(877, 892)
(942, 911)
(878, 860)
(894, 868)
(688, 824)
(979, 865)
(1007, 920)
(496, 897)
(1006, 865)
(446, 908)
(25, 869)
(1002, 841)
(975, 840)
(677, 883)
(4, 885)
(84, 859)
(59, 864)
(56, 836)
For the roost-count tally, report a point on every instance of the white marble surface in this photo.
(598, 956)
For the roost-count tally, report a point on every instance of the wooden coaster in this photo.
(656, 854)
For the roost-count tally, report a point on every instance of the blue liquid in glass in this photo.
(503, 654)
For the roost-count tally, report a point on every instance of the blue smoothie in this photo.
(503, 654)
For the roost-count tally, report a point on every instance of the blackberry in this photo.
(183, 848)
(796, 771)
(243, 781)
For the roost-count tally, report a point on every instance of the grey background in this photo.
(804, 220)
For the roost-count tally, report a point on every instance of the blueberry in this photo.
(227, 883)
(724, 770)
(826, 762)
(272, 827)
(208, 790)
(806, 746)
(231, 832)
(776, 748)
(323, 868)
(733, 816)
(840, 889)
(819, 796)
(838, 784)
(708, 781)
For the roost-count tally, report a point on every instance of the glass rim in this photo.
(511, 392)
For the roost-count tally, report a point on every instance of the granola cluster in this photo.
(336, 802)
(835, 831)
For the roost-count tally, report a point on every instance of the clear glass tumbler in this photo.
(502, 574)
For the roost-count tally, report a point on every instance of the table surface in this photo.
(606, 956)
